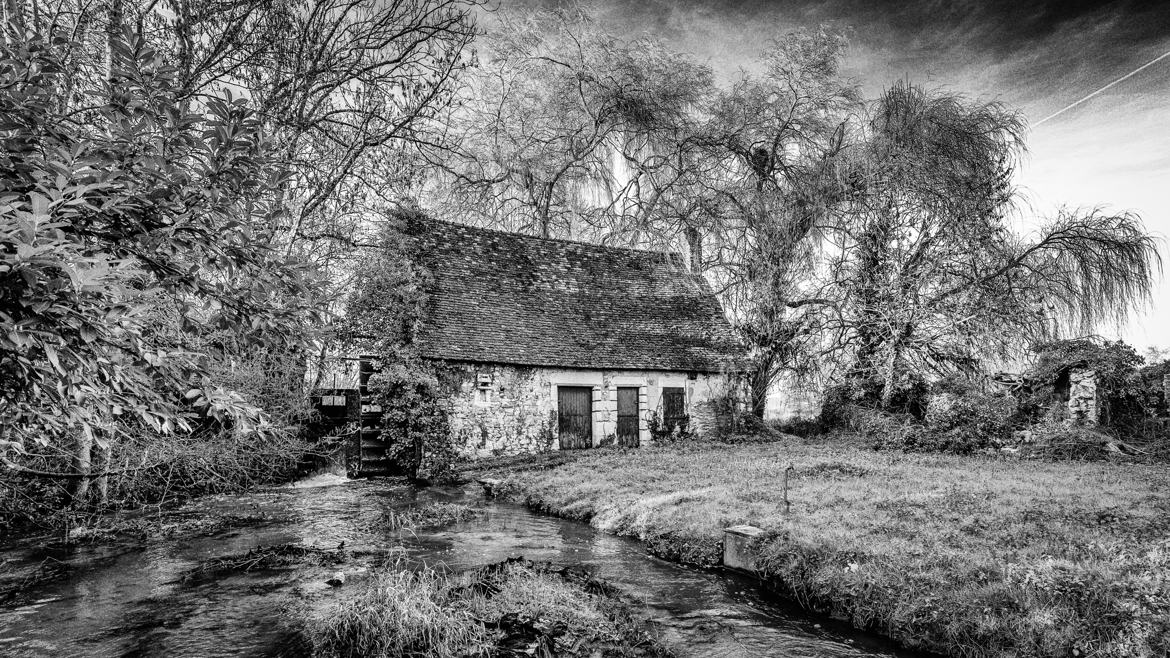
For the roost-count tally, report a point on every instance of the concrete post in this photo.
(736, 547)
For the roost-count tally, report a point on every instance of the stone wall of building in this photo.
(510, 410)
(1083, 405)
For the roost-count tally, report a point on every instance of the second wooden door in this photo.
(627, 417)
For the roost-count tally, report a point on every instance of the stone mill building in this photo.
(547, 344)
(560, 345)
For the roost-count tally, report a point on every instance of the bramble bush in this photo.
(678, 433)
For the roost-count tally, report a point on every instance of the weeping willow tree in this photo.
(930, 274)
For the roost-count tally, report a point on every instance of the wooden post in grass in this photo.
(784, 482)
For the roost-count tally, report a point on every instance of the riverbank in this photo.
(970, 556)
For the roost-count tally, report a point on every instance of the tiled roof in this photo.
(507, 298)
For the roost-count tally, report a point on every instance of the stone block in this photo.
(737, 553)
(490, 485)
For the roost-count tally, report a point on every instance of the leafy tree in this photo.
(122, 234)
(389, 297)
(343, 90)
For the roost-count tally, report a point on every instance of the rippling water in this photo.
(133, 600)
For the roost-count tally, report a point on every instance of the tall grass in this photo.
(529, 608)
(433, 514)
(399, 613)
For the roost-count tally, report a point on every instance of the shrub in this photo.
(149, 467)
(414, 419)
(908, 397)
(799, 426)
(900, 431)
(972, 418)
(881, 430)
(680, 432)
(1068, 441)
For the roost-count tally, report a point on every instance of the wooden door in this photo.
(627, 417)
(575, 416)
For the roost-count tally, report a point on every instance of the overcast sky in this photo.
(1111, 151)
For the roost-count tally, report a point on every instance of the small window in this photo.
(483, 396)
(674, 407)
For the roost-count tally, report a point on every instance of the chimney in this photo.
(695, 242)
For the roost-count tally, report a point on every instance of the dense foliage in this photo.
(133, 254)
(382, 317)
(414, 417)
(1113, 363)
(182, 186)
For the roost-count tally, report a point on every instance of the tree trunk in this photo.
(113, 34)
(183, 39)
(544, 221)
(101, 483)
(761, 381)
(891, 363)
(82, 452)
(888, 377)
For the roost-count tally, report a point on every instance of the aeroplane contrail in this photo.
(1121, 79)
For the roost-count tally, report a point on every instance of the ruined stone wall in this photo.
(1083, 405)
(516, 413)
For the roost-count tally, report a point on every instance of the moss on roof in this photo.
(501, 297)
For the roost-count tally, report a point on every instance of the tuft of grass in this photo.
(401, 614)
(434, 514)
(512, 608)
(973, 556)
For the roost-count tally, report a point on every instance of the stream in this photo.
(133, 598)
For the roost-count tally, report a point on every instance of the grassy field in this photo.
(968, 556)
